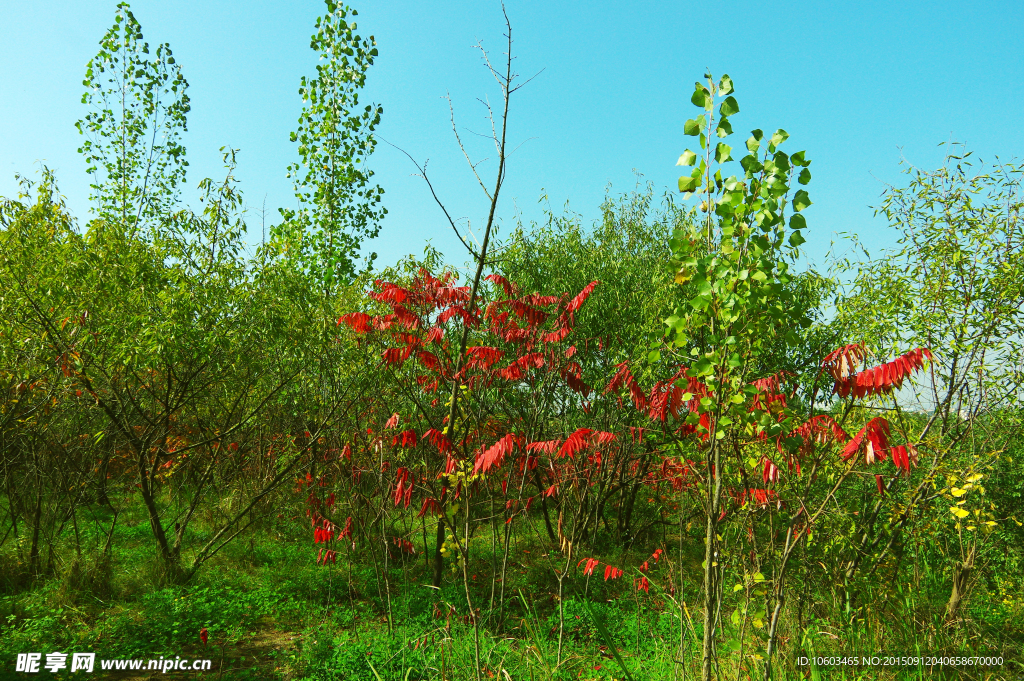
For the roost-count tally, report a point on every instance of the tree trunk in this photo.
(37, 518)
(168, 555)
(710, 564)
(544, 506)
(961, 582)
(438, 558)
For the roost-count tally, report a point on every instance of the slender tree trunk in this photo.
(779, 598)
(438, 558)
(37, 517)
(961, 581)
(167, 554)
(544, 506)
(711, 590)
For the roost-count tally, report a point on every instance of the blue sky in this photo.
(851, 82)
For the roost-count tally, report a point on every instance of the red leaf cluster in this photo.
(611, 572)
(771, 383)
(429, 505)
(545, 447)
(323, 534)
(842, 363)
(821, 429)
(483, 357)
(573, 375)
(404, 544)
(577, 302)
(903, 456)
(873, 440)
(403, 490)
(347, 532)
(879, 380)
(439, 440)
(575, 443)
(407, 438)
(623, 378)
(493, 455)
(509, 288)
(761, 497)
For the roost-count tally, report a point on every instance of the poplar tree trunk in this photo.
(710, 560)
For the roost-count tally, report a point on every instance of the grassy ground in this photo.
(271, 613)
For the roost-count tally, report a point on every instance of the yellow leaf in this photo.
(975, 478)
(957, 492)
(958, 512)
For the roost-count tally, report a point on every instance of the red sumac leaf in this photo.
(575, 443)
(492, 456)
(397, 355)
(581, 297)
(508, 287)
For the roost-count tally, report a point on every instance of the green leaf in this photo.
(725, 85)
(797, 159)
(724, 128)
(750, 164)
(781, 161)
(796, 221)
(722, 153)
(693, 126)
(701, 97)
(801, 200)
(729, 107)
(687, 159)
(805, 176)
(779, 137)
(688, 184)
(753, 144)
(795, 239)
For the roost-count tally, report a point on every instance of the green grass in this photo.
(272, 614)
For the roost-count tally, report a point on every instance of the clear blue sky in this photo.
(850, 82)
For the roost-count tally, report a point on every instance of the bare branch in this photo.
(458, 139)
(423, 174)
(525, 82)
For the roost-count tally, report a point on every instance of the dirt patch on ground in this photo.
(265, 656)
